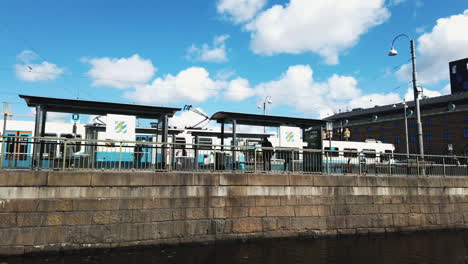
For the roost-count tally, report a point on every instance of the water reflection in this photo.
(434, 247)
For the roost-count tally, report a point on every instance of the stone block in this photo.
(142, 178)
(416, 220)
(77, 218)
(169, 178)
(111, 179)
(246, 225)
(30, 219)
(280, 211)
(267, 201)
(23, 178)
(194, 228)
(268, 179)
(55, 205)
(335, 222)
(326, 180)
(269, 223)
(101, 204)
(66, 178)
(198, 213)
(358, 221)
(257, 211)
(11, 250)
(381, 220)
(206, 179)
(56, 234)
(233, 201)
(229, 179)
(400, 220)
(7, 220)
(237, 212)
(54, 219)
(298, 180)
(308, 223)
(311, 210)
(289, 200)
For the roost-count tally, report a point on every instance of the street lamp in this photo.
(263, 106)
(393, 52)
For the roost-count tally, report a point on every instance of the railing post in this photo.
(292, 161)
(2, 156)
(359, 162)
(417, 164)
(389, 167)
(64, 154)
(255, 159)
(443, 166)
(120, 156)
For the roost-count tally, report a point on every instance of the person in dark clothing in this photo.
(267, 154)
(137, 154)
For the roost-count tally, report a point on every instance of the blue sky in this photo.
(313, 58)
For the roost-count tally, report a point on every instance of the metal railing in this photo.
(28, 153)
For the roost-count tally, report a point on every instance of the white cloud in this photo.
(191, 85)
(205, 53)
(448, 41)
(447, 89)
(297, 88)
(238, 90)
(187, 119)
(409, 96)
(29, 71)
(324, 27)
(240, 11)
(120, 73)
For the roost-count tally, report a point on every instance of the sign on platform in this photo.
(75, 118)
(290, 137)
(120, 127)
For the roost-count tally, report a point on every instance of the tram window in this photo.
(387, 155)
(23, 148)
(332, 152)
(369, 153)
(349, 152)
(11, 143)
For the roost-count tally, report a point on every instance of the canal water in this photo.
(432, 247)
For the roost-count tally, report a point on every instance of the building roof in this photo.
(227, 133)
(428, 103)
(265, 120)
(98, 108)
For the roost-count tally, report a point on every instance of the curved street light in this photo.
(263, 106)
(394, 52)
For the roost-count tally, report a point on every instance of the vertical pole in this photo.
(234, 140)
(292, 160)
(406, 133)
(64, 154)
(120, 156)
(164, 141)
(222, 135)
(5, 116)
(418, 110)
(443, 164)
(389, 166)
(196, 152)
(255, 159)
(417, 163)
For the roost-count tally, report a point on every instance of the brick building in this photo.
(444, 122)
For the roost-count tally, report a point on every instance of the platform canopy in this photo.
(219, 135)
(265, 120)
(98, 108)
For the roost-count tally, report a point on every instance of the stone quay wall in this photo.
(61, 211)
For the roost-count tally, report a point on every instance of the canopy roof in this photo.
(219, 134)
(98, 108)
(265, 120)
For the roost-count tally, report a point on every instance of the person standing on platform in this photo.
(267, 154)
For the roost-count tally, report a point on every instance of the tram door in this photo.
(17, 150)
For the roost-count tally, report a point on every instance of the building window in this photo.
(382, 138)
(454, 69)
(369, 128)
(397, 140)
(465, 133)
(412, 138)
(428, 135)
(356, 130)
(397, 124)
(428, 122)
(412, 124)
(444, 120)
(465, 118)
(382, 127)
(446, 134)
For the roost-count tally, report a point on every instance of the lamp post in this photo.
(393, 52)
(405, 106)
(263, 106)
